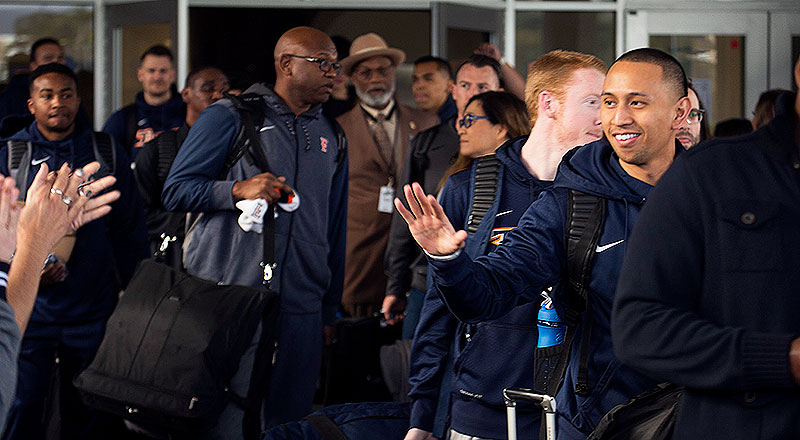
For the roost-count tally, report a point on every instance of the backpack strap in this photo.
(19, 152)
(167, 149)
(341, 142)
(130, 114)
(251, 110)
(325, 427)
(262, 371)
(420, 146)
(484, 191)
(104, 152)
(586, 215)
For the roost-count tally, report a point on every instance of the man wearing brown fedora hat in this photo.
(378, 131)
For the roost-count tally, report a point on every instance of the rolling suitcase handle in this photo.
(548, 404)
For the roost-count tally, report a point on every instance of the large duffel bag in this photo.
(172, 346)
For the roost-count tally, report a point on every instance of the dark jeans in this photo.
(75, 347)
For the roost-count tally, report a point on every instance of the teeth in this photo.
(625, 137)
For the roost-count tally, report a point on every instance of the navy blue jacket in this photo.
(167, 116)
(309, 242)
(106, 250)
(533, 257)
(708, 297)
(491, 355)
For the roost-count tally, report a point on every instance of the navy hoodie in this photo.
(106, 250)
(309, 242)
(491, 355)
(532, 257)
(167, 116)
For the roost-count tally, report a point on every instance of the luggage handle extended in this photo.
(548, 404)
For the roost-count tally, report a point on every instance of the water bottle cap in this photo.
(547, 302)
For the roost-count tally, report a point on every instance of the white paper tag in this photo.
(386, 199)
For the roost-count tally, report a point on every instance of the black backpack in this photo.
(651, 414)
(586, 215)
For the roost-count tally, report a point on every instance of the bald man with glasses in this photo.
(306, 154)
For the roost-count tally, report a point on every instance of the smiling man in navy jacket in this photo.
(708, 295)
(643, 103)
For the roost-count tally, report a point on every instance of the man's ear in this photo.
(682, 109)
(30, 106)
(185, 94)
(548, 104)
(140, 74)
(284, 64)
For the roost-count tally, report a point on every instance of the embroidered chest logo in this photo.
(323, 144)
(498, 234)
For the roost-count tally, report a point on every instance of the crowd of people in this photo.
(454, 219)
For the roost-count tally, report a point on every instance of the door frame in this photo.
(460, 16)
(642, 23)
(782, 27)
(117, 16)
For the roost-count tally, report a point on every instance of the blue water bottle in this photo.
(551, 329)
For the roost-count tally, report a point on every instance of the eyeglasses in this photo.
(469, 119)
(324, 65)
(695, 116)
(366, 74)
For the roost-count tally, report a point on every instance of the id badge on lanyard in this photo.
(386, 197)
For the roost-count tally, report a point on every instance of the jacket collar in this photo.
(781, 130)
(279, 105)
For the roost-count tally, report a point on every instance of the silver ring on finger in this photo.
(67, 200)
(56, 191)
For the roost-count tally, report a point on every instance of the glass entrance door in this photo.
(132, 28)
(725, 53)
(458, 29)
(784, 33)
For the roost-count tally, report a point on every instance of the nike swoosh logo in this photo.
(505, 212)
(268, 127)
(35, 162)
(606, 247)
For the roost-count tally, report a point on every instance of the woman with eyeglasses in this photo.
(487, 191)
(490, 119)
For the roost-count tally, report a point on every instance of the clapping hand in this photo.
(58, 204)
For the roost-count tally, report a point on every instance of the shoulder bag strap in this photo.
(585, 218)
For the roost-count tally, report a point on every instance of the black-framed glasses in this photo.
(695, 116)
(323, 64)
(469, 119)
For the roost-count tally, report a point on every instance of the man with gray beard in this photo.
(379, 131)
